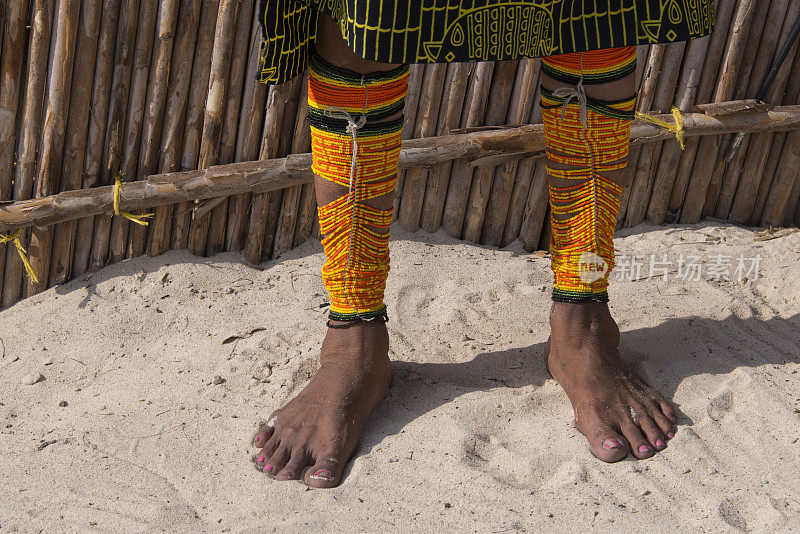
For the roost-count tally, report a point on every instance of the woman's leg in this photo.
(354, 106)
(588, 101)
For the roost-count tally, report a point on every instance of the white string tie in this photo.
(569, 94)
(353, 126)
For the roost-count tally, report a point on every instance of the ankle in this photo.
(579, 319)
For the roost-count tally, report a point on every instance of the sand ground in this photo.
(155, 372)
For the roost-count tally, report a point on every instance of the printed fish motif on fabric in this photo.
(436, 31)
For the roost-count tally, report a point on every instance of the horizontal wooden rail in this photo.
(486, 146)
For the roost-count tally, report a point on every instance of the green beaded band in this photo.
(561, 295)
(590, 79)
(598, 106)
(352, 318)
(352, 77)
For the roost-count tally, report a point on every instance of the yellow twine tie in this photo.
(678, 128)
(138, 219)
(22, 252)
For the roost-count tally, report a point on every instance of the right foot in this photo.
(320, 428)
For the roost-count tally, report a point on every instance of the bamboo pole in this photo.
(195, 113)
(215, 109)
(644, 177)
(705, 91)
(785, 189)
(101, 95)
(78, 127)
(160, 227)
(115, 131)
(454, 92)
(268, 175)
(650, 77)
(249, 137)
(497, 109)
(535, 220)
(290, 203)
(753, 182)
(519, 107)
(13, 41)
(765, 40)
(13, 52)
(262, 204)
(427, 121)
(525, 172)
(776, 189)
(415, 77)
(30, 128)
(154, 109)
(671, 152)
(53, 132)
(286, 137)
(215, 242)
(137, 101)
(461, 176)
(708, 148)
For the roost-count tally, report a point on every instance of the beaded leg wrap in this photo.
(587, 139)
(354, 146)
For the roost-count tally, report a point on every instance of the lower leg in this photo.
(587, 150)
(314, 435)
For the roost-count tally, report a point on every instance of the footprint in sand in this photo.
(493, 457)
(570, 473)
(752, 513)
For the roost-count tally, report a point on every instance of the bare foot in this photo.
(614, 408)
(320, 428)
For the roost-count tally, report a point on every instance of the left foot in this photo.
(614, 408)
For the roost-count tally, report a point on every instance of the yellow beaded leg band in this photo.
(586, 138)
(354, 145)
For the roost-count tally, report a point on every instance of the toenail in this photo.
(660, 443)
(644, 448)
(322, 474)
(611, 444)
(670, 435)
(286, 474)
(261, 459)
(268, 468)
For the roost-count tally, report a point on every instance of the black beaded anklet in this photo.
(560, 295)
(351, 319)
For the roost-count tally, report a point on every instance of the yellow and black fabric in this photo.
(438, 31)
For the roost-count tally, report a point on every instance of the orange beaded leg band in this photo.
(355, 142)
(585, 139)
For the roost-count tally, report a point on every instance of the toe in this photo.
(665, 425)
(294, 467)
(326, 473)
(640, 448)
(655, 437)
(262, 435)
(668, 410)
(610, 447)
(268, 450)
(277, 461)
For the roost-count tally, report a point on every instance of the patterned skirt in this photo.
(436, 31)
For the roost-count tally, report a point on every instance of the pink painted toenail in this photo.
(659, 443)
(322, 474)
(644, 448)
(267, 468)
(611, 444)
(261, 459)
